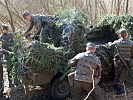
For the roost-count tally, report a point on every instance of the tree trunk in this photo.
(127, 4)
(10, 15)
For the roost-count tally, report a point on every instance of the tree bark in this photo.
(10, 15)
(127, 4)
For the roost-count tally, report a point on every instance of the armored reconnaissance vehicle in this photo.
(44, 64)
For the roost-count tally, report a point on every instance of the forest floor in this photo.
(38, 93)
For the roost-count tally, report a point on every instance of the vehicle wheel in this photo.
(60, 89)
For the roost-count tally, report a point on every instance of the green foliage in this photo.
(18, 49)
(45, 57)
(72, 15)
(118, 22)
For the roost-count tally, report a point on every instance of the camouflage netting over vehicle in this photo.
(42, 57)
(101, 34)
(106, 57)
(72, 24)
(118, 22)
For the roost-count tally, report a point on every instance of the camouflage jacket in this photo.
(83, 62)
(125, 48)
(39, 21)
(7, 40)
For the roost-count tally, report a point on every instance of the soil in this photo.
(42, 93)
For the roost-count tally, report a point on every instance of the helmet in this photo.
(122, 30)
(5, 27)
(90, 44)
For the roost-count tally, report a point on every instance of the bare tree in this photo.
(127, 4)
(11, 19)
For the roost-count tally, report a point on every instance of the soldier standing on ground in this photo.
(82, 77)
(124, 47)
(7, 41)
(43, 25)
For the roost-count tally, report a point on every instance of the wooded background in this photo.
(11, 10)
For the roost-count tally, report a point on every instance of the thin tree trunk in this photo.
(127, 4)
(10, 15)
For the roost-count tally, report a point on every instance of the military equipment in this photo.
(119, 57)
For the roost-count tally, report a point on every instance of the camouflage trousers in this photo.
(1, 80)
(80, 87)
(121, 73)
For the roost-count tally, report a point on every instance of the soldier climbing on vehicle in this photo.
(43, 24)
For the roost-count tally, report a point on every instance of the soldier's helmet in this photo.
(25, 14)
(122, 30)
(90, 44)
(5, 27)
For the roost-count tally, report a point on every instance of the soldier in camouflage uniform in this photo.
(124, 47)
(2, 51)
(43, 25)
(7, 41)
(84, 63)
(6, 38)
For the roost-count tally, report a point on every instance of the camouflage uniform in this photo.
(83, 73)
(43, 25)
(125, 49)
(2, 51)
(7, 41)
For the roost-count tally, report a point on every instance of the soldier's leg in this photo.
(76, 91)
(124, 75)
(44, 34)
(117, 85)
(9, 68)
(1, 80)
(87, 87)
(118, 70)
(98, 93)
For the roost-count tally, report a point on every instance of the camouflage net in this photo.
(106, 57)
(45, 57)
(118, 22)
(101, 34)
(73, 25)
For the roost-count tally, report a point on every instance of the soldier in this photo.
(123, 47)
(2, 51)
(7, 41)
(84, 63)
(6, 38)
(43, 25)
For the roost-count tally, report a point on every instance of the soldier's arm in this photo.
(49, 20)
(30, 27)
(132, 50)
(73, 62)
(99, 68)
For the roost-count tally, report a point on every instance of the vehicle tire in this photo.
(60, 89)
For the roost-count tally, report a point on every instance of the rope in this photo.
(93, 83)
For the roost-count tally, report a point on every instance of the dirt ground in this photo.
(38, 93)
